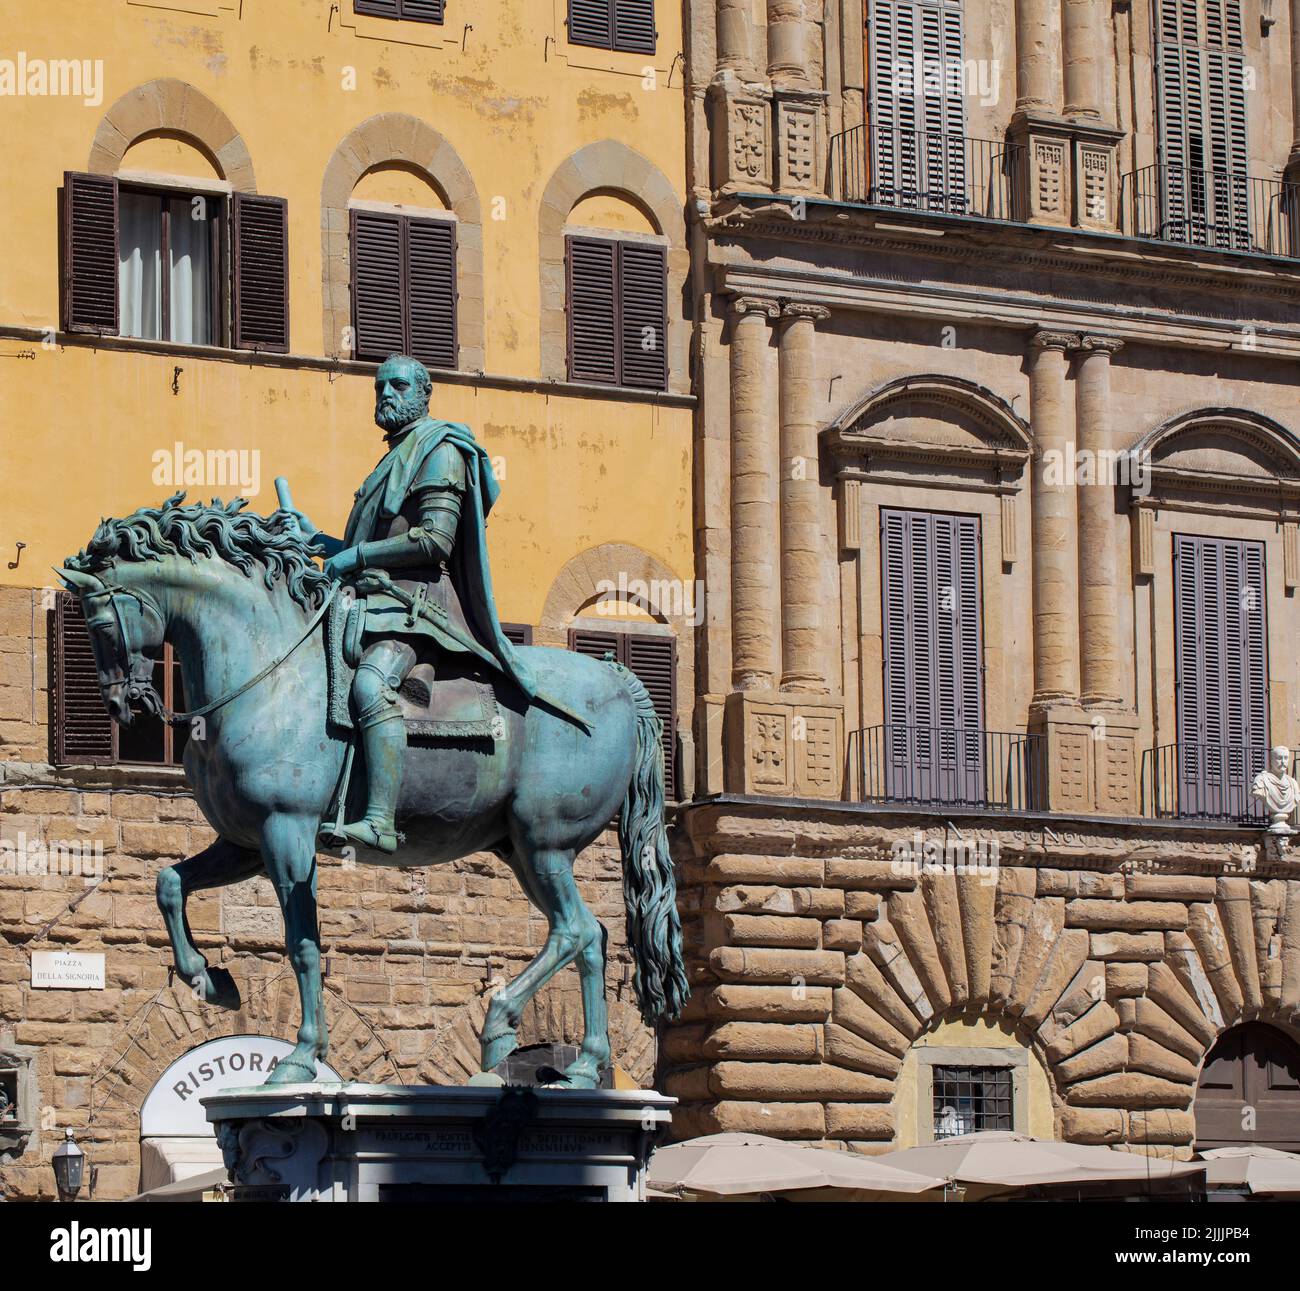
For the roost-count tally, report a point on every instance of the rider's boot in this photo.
(383, 735)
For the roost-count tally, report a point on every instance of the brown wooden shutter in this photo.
(643, 309)
(261, 273)
(591, 22)
(520, 634)
(634, 26)
(83, 730)
(89, 297)
(592, 310)
(378, 8)
(431, 291)
(378, 285)
(653, 660)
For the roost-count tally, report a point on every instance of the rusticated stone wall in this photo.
(1117, 953)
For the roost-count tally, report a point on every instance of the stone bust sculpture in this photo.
(1277, 789)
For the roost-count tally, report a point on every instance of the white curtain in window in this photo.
(190, 264)
(139, 257)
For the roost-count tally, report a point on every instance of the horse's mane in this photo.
(245, 541)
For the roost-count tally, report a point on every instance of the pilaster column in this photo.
(802, 547)
(754, 558)
(1082, 35)
(736, 37)
(1294, 163)
(1098, 559)
(1055, 562)
(1033, 57)
(787, 43)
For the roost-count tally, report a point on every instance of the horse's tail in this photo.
(654, 929)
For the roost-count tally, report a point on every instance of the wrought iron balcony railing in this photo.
(1002, 771)
(1204, 781)
(1221, 210)
(920, 170)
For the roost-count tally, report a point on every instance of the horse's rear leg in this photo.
(214, 867)
(547, 878)
(289, 853)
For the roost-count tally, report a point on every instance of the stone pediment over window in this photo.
(949, 430)
(1223, 459)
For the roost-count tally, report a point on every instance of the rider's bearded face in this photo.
(399, 399)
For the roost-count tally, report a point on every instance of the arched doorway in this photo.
(1249, 1090)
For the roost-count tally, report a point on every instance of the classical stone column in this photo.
(736, 37)
(1098, 558)
(1294, 163)
(1082, 41)
(787, 43)
(1033, 56)
(802, 546)
(754, 559)
(1055, 563)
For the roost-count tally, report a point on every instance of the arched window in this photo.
(1249, 1090)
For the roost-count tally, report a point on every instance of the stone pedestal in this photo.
(1091, 758)
(357, 1142)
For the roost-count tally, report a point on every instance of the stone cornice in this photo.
(1025, 247)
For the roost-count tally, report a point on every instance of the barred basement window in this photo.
(967, 1099)
(407, 10)
(81, 730)
(627, 25)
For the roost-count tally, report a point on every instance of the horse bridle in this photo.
(137, 676)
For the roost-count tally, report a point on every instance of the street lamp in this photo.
(69, 1167)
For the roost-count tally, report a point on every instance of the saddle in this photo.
(453, 701)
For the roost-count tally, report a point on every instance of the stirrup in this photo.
(368, 834)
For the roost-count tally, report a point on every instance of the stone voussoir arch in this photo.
(1123, 1042)
(173, 1022)
(172, 107)
(609, 166)
(397, 137)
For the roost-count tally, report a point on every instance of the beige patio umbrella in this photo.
(999, 1161)
(736, 1165)
(1267, 1171)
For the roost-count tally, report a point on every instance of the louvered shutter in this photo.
(654, 660)
(1221, 672)
(83, 730)
(592, 310)
(591, 22)
(261, 273)
(918, 117)
(422, 10)
(1201, 104)
(596, 645)
(634, 26)
(643, 307)
(378, 285)
(90, 291)
(431, 291)
(933, 655)
(377, 8)
(520, 634)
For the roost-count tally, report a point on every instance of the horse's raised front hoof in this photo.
(220, 989)
(583, 1074)
(292, 1069)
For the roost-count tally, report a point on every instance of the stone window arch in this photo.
(387, 140)
(173, 109)
(611, 170)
